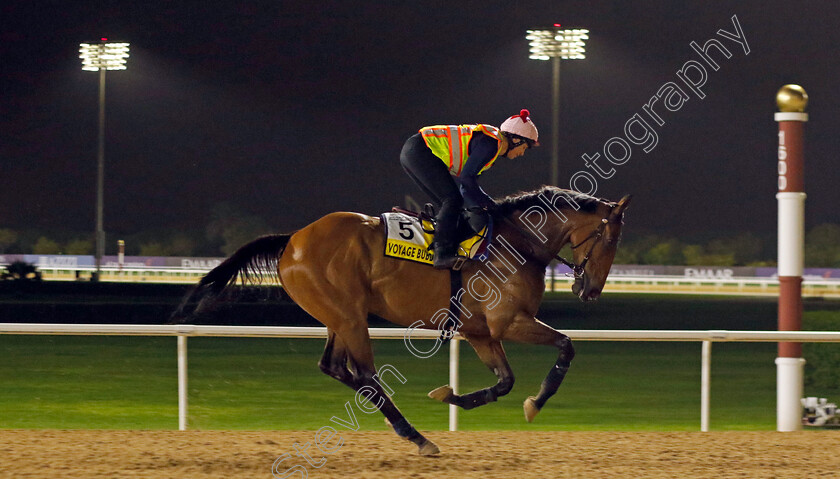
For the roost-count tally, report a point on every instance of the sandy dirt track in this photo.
(517, 455)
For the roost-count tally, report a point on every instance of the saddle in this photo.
(409, 235)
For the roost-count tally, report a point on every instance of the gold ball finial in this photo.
(792, 98)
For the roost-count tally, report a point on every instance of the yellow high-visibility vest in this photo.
(451, 143)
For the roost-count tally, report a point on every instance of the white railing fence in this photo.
(744, 286)
(185, 330)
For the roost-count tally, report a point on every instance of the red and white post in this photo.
(791, 117)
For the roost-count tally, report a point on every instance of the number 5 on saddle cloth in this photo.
(409, 235)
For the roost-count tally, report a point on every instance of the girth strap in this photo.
(448, 330)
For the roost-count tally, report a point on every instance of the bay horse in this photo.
(336, 271)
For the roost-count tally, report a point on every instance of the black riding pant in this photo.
(432, 176)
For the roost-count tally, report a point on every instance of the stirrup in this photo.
(460, 261)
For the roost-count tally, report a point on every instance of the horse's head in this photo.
(594, 250)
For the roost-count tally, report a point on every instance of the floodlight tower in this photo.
(557, 44)
(101, 57)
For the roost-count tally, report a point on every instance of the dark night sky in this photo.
(290, 110)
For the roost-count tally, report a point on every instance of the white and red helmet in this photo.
(522, 126)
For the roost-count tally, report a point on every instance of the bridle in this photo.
(577, 269)
(597, 233)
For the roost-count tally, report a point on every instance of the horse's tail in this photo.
(251, 263)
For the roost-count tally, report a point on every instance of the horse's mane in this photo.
(523, 200)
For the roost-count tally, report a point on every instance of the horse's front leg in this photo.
(492, 354)
(527, 329)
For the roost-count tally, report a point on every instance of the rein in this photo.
(577, 269)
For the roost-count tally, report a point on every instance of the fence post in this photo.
(453, 382)
(705, 384)
(182, 383)
(791, 117)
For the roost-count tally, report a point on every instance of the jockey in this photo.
(445, 161)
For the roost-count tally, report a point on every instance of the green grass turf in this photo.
(248, 383)
(251, 384)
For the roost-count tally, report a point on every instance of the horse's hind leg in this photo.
(331, 288)
(492, 354)
(527, 329)
(334, 361)
(357, 347)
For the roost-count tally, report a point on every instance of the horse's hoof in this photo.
(428, 448)
(531, 409)
(443, 394)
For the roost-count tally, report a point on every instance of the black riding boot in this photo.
(445, 256)
(445, 232)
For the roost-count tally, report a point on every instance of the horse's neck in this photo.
(557, 232)
(562, 228)
(539, 244)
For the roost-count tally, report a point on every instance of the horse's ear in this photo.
(619, 208)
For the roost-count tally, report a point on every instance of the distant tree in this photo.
(631, 251)
(230, 228)
(154, 248)
(743, 249)
(177, 245)
(181, 245)
(822, 249)
(627, 253)
(45, 245)
(7, 238)
(79, 246)
(822, 246)
(625, 256)
(241, 232)
(696, 255)
(667, 252)
(222, 215)
(693, 255)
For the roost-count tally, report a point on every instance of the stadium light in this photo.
(99, 56)
(102, 57)
(557, 44)
(568, 44)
